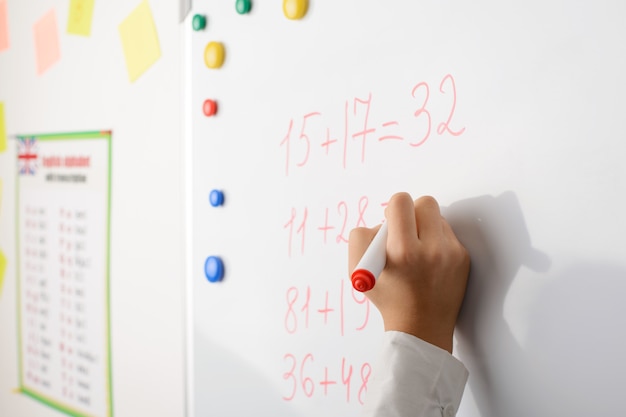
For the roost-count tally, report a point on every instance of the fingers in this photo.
(428, 219)
(454, 242)
(360, 238)
(409, 223)
(448, 232)
(400, 214)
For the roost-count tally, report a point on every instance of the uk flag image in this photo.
(27, 156)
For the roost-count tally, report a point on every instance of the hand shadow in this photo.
(494, 232)
(571, 362)
(227, 384)
(577, 341)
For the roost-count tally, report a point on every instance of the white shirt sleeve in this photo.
(413, 378)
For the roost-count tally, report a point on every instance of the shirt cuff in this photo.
(414, 378)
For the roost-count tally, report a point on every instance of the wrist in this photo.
(437, 336)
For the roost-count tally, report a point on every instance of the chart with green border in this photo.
(63, 211)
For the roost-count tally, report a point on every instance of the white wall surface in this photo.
(89, 89)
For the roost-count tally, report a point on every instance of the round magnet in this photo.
(295, 9)
(214, 269)
(214, 55)
(216, 198)
(243, 6)
(209, 107)
(198, 22)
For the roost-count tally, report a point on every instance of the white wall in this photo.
(88, 89)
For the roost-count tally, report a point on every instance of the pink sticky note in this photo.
(47, 51)
(4, 26)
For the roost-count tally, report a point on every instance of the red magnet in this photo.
(209, 108)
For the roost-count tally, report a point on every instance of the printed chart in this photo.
(63, 200)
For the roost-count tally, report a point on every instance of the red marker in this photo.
(372, 263)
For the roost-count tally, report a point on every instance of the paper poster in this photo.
(3, 130)
(63, 203)
(47, 49)
(139, 41)
(79, 20)
(4, 26)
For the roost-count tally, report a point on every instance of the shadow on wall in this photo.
(572, 364)
(228, 385)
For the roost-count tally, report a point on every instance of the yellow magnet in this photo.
(214, 54)
(295, 9)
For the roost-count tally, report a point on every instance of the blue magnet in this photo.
(216, 198)
(214, 269)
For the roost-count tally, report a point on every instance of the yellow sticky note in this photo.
(139, 41)
(3, 130)
(4, 26)
(47, 50)
(79, 20)
(3, 267)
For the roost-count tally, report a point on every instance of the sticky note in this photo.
(47, 50)
(3, 267)
(139, 41)
(4, 26)
(3, 130)
(79, 20)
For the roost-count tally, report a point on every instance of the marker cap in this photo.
(363, 280)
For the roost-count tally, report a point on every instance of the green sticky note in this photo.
(3, 130)
(139, 41)
(79, 20)
(3, 267)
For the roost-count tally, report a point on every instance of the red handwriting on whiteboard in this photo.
(304, 377)
(445, 126)
(311, 137)
(300, 229)
(330, 308)
(332, 226)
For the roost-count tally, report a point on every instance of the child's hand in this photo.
(421, 289)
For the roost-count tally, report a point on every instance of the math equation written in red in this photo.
(309, 137)
(346, 137)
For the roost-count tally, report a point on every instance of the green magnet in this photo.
(198, 22)
(243, 6)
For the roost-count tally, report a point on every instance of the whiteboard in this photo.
(511, 115)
